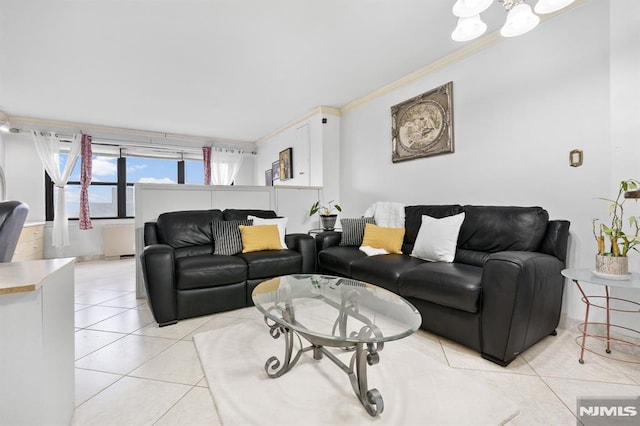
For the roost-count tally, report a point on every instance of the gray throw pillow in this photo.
(353, 230)
(227, 239)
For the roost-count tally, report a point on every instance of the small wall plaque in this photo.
(575, 158)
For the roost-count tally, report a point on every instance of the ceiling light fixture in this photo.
(520, 17)
(469, 28)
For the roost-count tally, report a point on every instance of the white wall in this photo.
(519, 108)
(2, 150)
(625, 116)
(315, 140)
(301, 136)
(25, 175)
(3, 195)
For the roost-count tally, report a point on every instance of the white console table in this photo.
(37, 342)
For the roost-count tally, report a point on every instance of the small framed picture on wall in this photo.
(268, 177)
(275, 170)
(286, 164)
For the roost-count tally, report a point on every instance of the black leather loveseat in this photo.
(183, 277)
(502, 293)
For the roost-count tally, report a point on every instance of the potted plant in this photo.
(325, 211)
(615, 261)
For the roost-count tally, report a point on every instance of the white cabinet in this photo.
(37, 342)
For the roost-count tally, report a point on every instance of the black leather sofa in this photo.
(503, 292)
(183, 277)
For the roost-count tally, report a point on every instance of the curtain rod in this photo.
(122, 143)
(37, 124)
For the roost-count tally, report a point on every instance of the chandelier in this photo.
(520, 17)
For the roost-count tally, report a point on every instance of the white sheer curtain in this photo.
(225, 164)
(48, 148)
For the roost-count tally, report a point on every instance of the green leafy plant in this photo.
(620, 241)
(324, 209)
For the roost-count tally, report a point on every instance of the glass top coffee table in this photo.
(334, 312)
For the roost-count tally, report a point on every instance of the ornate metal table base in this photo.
(365, 354)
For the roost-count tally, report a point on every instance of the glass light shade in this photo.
(550, 6)
(519, 21)
(469, 28)
(469, 8)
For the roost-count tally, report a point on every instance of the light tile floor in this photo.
(130, 372)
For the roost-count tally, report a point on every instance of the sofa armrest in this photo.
(159, 280)
(327, 239)
(521, 302)
(305, 245)
(150, 233)
(556, 239)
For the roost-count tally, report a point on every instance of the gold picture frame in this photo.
(423, 125)
(286, 164)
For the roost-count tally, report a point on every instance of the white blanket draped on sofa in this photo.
(387, 213)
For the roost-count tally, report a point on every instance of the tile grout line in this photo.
(128, 374)
(542, 379)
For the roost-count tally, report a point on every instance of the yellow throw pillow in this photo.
(260, 237)
(389, 239)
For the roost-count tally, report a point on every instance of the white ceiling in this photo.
(225, 69)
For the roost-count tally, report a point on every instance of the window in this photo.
(194, 172)
(151, 170)
(111, 189)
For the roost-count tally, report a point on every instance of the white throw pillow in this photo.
(438, 238)
(280, 221)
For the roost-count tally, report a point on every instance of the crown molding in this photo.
(321, 110)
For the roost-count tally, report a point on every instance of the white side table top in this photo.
(587, 276)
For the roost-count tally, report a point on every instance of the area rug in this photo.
(417, 389)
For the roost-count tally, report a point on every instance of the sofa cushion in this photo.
(438, 238)
(227, 239)
(241, 214)
(454, 285)
(385, 270)
(413, 220)
(193, 251)
(387, 239)
(280, 222)
(353, 230)
(499, 228)
(338, 259)
(471, 257)
(187, 228)
(209, 271)
(260, 237)
(272, 263)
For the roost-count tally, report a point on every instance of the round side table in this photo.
(583, 275)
